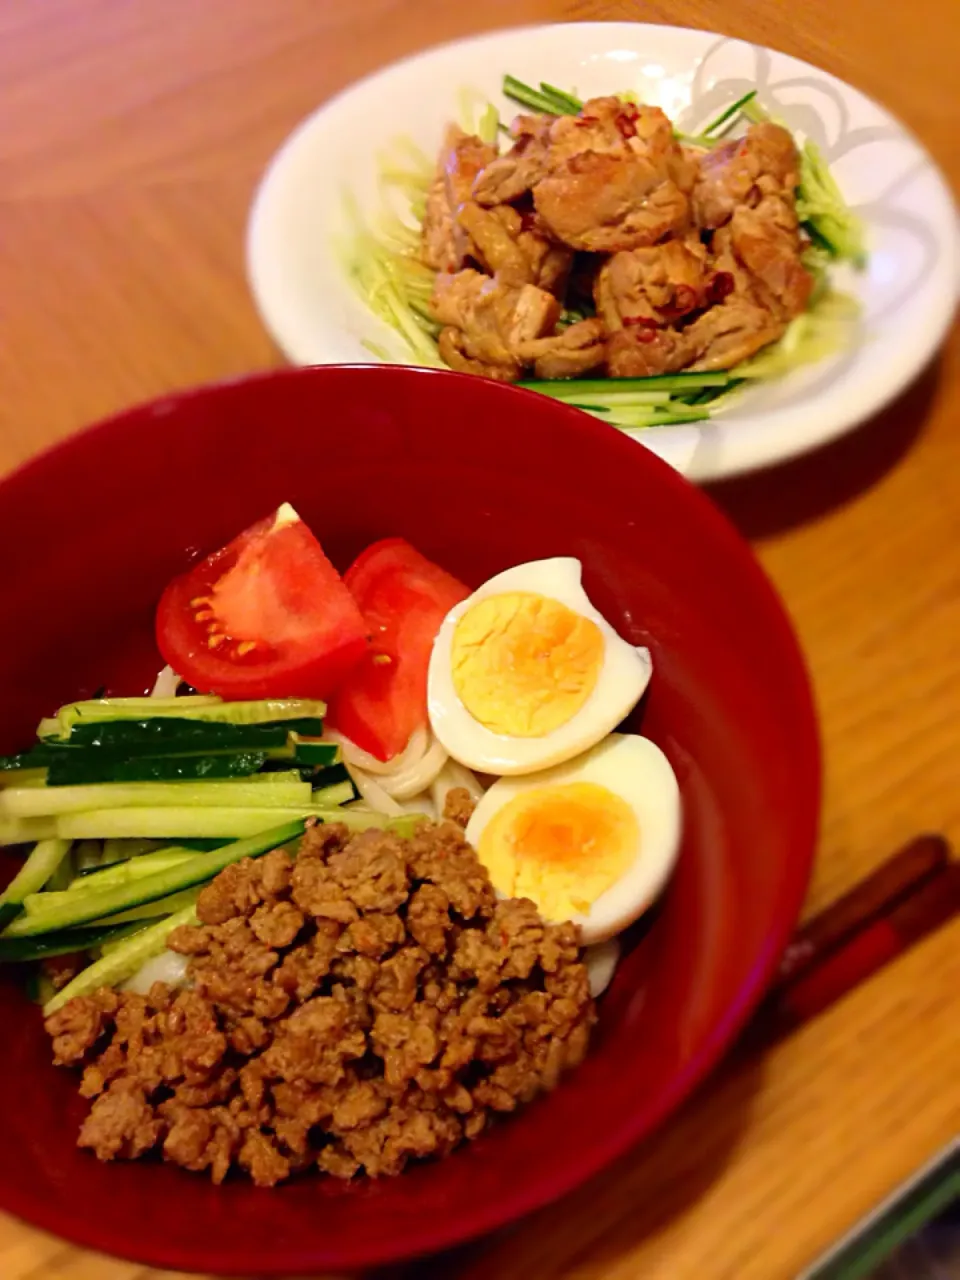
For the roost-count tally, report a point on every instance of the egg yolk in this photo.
(523, 664)
(561, 846)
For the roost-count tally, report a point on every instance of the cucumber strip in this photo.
(39, 986)
(36, 802)
(124, 931)
(207, 823)
(63, 942)
(529, 97)
(336, 793)
(567, 102)
(151, 910)
(323, 753)
(121, 961)
(43, 861)
(730, 112)
(170, 736)
(96, 765)
(132, 869)
(268, 710)
(575, 388)
(33, 777)
(84, 907)
(62, 876)
(89, 856)
(26, 830)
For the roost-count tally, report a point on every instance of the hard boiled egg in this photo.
(593, 840)
(525, 673)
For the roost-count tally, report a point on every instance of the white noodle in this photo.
(166, 684)
(453, 774)
(373, 793)
(601, 961)
(352, 754)
(414, 778)
(168, 966)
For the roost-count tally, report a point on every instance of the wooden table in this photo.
(131, 135)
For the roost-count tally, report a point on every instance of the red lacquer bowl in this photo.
(480, 477)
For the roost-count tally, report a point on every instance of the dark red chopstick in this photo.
(904, 900)
(896, 878)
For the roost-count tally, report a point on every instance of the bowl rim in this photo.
(555, 1182)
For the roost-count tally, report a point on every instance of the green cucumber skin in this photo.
(107, 902)
(63, 942)
(200, 710)
(121, 961)
(96, 765)
(40, 802)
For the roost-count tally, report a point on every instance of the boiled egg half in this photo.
(593, 840)
(526, 673)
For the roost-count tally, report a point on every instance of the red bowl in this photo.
(480, 477)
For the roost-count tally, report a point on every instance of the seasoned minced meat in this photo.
(367, 1004)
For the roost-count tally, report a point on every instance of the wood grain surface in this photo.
(132, 133)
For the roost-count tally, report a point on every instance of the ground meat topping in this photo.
(367, 1004)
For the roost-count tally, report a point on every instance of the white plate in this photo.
(908, 292)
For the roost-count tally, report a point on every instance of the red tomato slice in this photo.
(266, 617)
(403, 597)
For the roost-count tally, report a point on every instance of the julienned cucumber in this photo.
(187, 708)
(179, 824)
(64, 942)
(26, 830)
(84, 907)
(135, 868)
(38, 802)
(74, 768)
(32, 876)
(121, 961)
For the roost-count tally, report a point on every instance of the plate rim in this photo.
(714, 450)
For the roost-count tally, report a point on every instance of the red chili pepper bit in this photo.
(720, 287)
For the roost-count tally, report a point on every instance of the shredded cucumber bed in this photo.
(382, 260)
(133, 804)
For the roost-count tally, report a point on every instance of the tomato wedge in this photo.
(268, 616)
(403, 597)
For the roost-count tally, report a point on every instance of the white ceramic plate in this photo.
(908, 292)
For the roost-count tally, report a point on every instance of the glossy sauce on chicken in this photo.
(689, 257)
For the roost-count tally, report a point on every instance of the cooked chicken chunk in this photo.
(729, 333)
(493, 320)
(617, 178)
(661, 283)
(514, 254)
(762, 163)
(510, 176)
(445, 244)
(611, 178)
(574, 351)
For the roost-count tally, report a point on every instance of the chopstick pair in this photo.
(905, 899)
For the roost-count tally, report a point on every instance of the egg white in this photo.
(636, 770)
(624, 675)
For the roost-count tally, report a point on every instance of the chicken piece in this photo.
(497, 249)
(509, 245)
(570, 158)
(764, 162)
(451, 345)
(445, 245)
(605, 203)
(494, 319)
(570, 353)
(767, 241)
(510, 176)
(642, 350)
(617, 178)
(661, 283)
(731, 332)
